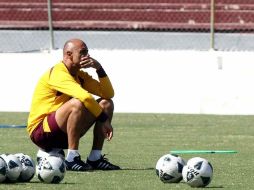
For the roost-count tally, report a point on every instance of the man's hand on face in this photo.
(89, 62)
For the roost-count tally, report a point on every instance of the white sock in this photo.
(94, 155)
(71, 155)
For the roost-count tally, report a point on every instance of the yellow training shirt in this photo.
(57, 86)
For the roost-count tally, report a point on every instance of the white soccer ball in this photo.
(51, 169)
(28, 167)
(14, 167)
(169, 168)
(198, 172)
(3, 170)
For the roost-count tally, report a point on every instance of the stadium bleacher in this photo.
(177, 15)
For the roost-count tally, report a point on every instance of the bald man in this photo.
(63, 109)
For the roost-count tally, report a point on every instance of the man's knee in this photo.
(77, 105)
(107, 104)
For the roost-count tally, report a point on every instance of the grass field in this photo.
(140, 140)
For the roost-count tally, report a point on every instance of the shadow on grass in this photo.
(210, 187)
(61, 183)
(33, 182)
(122, 169)
(216, 187)
(137, 169)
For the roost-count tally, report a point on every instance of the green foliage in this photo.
(140, 140)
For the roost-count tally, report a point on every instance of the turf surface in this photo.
(140, 140)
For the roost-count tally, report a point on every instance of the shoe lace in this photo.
(79, 161)
(105, 159)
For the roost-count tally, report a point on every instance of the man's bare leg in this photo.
(98, 136)
(74, 119)
(95, 159)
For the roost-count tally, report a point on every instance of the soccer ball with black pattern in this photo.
(51, 169)
(14, 167)
(28, 167)
(198, 172)
(169, 168)
(3, 170)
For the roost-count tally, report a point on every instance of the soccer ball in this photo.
(169, 168)
(198, 172)
(14, 167)
(3, 168)
(28, 167)
(51, 169)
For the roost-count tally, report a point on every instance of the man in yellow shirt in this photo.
(63, 109)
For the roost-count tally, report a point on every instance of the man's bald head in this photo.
(73, 52)
(73, 44)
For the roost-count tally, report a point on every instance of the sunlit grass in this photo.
(140, 140)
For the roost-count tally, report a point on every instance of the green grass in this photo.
(140, 140)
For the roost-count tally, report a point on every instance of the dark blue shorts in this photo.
(56, 138)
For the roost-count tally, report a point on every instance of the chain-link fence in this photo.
(28, 25)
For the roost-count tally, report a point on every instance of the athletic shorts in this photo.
(48, 140)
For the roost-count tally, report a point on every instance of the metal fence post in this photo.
(212, 9)
(51, 32)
